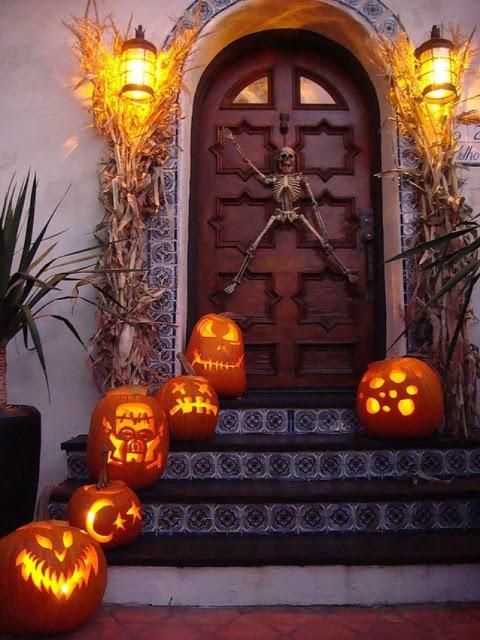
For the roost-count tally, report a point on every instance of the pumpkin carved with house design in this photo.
(133, 427)
(216, 352)
(400, 398)
(52, 578)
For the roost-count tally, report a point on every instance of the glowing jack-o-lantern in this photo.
(52, 578)
(190, 404)
(109, 511)
(216, 352)
(400, 398)
(133, 426)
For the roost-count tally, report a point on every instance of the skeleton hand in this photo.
(228, 134)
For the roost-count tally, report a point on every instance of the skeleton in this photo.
(287, 188)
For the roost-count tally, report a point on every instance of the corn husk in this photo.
(139, 139)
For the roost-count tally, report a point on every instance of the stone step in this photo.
(269, 507)
(368, 549)
(305, 457)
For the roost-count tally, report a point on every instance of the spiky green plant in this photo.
(30, 277)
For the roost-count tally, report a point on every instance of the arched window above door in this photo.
(256, 90)
(315, 92)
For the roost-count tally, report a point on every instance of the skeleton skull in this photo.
(286, 158)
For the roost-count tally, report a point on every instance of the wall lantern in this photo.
(437, 74)
(137, 68)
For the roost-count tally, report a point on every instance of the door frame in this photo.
(227, 21)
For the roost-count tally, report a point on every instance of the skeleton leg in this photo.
(249, 255)
(327, 247)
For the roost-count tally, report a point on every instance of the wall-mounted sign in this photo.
(468, 137)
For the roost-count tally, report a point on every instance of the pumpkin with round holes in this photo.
(400, 398)
(216, 352)
(133, 427)
(191, 406)
(109, 511)
(52, 578)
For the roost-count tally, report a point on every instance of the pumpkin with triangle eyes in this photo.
(52, 578)
(400, 398)
(216, 352)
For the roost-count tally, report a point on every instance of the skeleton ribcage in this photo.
(287, 191)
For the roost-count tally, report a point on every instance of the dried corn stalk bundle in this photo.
(445, 270)
(138, 139)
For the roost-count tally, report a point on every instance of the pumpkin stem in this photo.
(187, 367)
(232, 315)
(103, 479)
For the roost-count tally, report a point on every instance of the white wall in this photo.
(43, 125)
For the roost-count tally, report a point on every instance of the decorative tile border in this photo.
(308, 465)
(282, 421)
(315, 518)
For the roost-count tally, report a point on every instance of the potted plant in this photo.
(29, 283)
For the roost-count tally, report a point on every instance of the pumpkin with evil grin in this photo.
(52, 577)
(216, 352)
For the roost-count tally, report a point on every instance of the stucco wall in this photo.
(43, 125)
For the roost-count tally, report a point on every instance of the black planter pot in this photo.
(20, 439)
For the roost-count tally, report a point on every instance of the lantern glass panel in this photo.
(138, 73)
(437, 74)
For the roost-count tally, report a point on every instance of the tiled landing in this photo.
(419, 622)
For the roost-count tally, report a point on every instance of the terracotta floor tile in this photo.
(322, 629)
(99, 627)
(170, 630)
(238, 630)
(463, 631)
(398, 631)
(473, 610)
(205, 615)
(360, 619)
(284, 621)
(412, 622)
(146, 614)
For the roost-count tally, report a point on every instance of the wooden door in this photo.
(305, 324)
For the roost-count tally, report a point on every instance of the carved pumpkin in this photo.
(133, 426)
(191, 406)
(109, 511)
(52, 578)
(400, 398)
(216, 352)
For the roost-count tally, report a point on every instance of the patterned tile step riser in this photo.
(283, 421)
(315, 518)
(310, 465)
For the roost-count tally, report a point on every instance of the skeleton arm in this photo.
(229, 135)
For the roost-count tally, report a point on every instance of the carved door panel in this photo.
(305, 324)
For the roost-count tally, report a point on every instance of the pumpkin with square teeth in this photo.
(133, 426)
(216, 352)
(52, 578)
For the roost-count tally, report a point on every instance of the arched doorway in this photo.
(306, 325)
